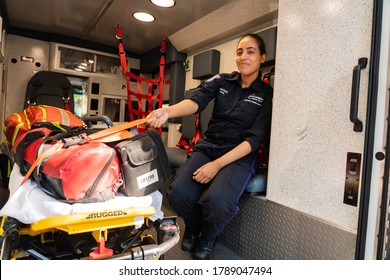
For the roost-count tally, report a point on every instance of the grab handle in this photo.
(353, 114)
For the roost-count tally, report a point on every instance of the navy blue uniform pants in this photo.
(209, 207)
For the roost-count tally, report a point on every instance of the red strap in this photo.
(112, 130)
(118, 32)
(197, 135)
(122, 54)
(117, 136)
(66, 104)
(183, 144)
(163, 46)
(41, 157)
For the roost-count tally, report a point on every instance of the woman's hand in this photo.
(157, 117)
(184, 108)
(206, 173)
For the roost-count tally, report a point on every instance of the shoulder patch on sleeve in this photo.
(213, 78)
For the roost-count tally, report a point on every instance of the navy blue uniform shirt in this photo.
(239, 114)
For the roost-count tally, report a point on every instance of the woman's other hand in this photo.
(206, 173)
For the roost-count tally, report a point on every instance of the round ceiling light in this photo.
(163, 3)
(142, 16)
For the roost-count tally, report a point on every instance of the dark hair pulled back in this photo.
(259, 41)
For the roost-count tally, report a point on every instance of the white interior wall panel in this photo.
(18, 72)
(318, 45)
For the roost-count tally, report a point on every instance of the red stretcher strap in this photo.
(109, 131)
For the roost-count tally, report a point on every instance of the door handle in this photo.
(353, 113)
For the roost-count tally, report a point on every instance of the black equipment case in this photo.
(144, 163)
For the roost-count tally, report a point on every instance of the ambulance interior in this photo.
(298, 208)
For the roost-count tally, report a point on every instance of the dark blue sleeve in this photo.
(259, 133)
(207, 91)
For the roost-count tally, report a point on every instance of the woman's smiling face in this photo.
(248, 57)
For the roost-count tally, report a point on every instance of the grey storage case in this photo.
(144, 163)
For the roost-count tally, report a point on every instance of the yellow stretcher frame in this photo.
(99, 224)
(96, 222)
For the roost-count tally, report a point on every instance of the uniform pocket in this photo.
(247, 113)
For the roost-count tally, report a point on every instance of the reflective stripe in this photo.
(44, 113)
(16, 132)
(65, 120)
(58, 125)
(27, 120)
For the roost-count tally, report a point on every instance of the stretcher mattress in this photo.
(29, 204)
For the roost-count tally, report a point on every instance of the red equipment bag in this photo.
(80, 171)
(18, 124)
(87, 172)
(80, 168)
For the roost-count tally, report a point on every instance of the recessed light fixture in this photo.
(164, 3)
(142, 16)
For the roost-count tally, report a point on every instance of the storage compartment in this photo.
(206, 64)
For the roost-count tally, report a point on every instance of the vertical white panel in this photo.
(319, 43)
(18, 72)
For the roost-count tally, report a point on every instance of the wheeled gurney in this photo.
(37, 226)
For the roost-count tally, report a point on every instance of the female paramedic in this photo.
(206, 189)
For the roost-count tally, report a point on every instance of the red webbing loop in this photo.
(118, 32)
(163, 46)
(66, 104)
